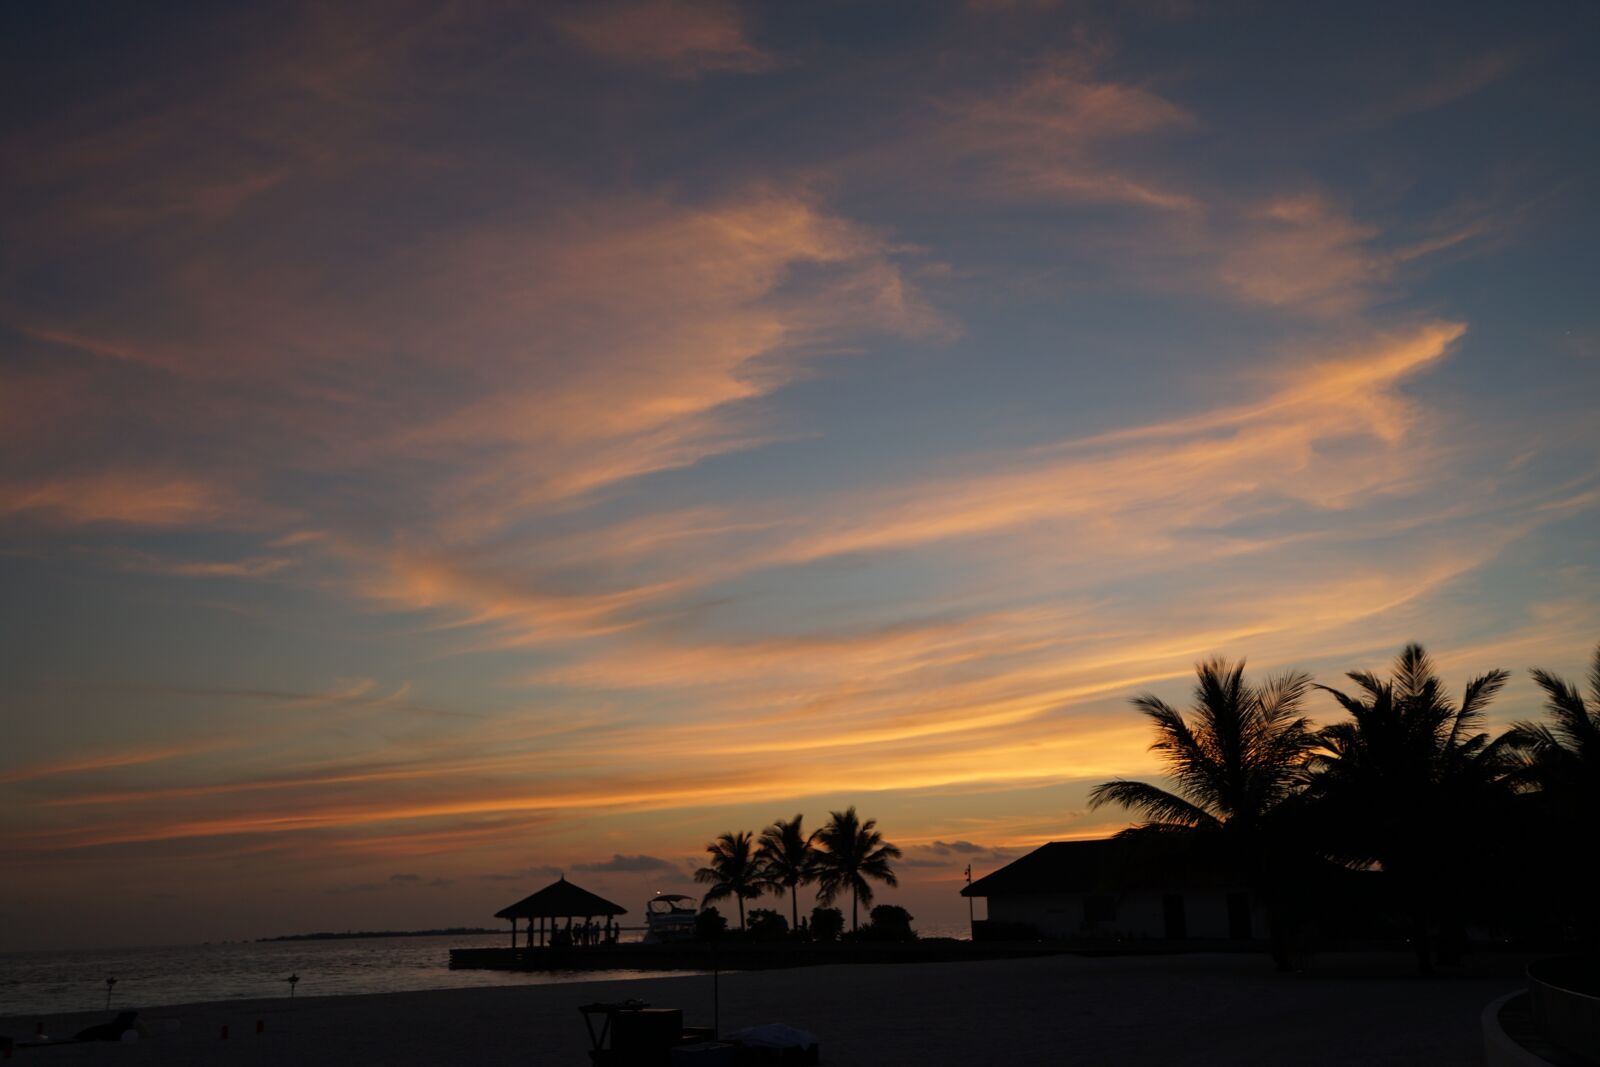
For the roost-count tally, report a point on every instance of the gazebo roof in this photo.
(560, 899)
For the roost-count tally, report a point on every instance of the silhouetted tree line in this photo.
(845, 856)
(1457, 829)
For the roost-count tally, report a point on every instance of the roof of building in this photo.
(560, 899)
(1107, 865)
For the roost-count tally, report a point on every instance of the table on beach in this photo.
(1127, 1011)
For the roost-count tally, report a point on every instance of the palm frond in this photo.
(1594, 678)
(1153, 803)
(1356, 708)
(1281, 695)
(1565, 705)
(1366, 680)
(1414, 674)
(1480, 691)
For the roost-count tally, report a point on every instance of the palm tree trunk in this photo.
(853, 915)
(794, 904)
(1269, 885)
(741, 912)
(1415, 896)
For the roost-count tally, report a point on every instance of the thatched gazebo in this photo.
(563, 900)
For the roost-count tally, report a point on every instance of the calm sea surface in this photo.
(44, 983)
(49, 983)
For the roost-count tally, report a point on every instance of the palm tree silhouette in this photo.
(733, 871)
(1233, 767)
(1238, 760)
(1557, 765)
(1408, 782)
(1562, 757)
(852, 851)
(788, 860)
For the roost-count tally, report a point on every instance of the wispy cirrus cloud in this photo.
(103, 761)
(130, 497)
(684, 39)
(629, 864)
(1054, 134)
(1450, 78)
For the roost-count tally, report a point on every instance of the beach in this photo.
(1131, 1010)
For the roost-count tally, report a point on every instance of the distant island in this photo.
(351, 934)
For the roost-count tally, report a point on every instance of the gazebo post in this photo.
(513, 931)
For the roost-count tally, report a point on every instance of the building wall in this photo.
(1206, 915)
(1056, 915)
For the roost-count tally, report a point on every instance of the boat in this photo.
(669, 917)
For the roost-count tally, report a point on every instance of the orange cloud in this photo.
(1299, 252)
(1132, 490)
(104, 761)
(682, 38)
(1052, 134)
(1313, 439)
(136, 498)
(251, 567)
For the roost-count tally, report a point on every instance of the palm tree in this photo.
(852, 852)
(1408, 782)
(1557, 763)
(1233, 767)
(789, 860)
(734, 871)
(1562, 757)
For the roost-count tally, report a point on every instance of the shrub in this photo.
(826, 924)
(890, 922)
(765, 924)
(709, 925)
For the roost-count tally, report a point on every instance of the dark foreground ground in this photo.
(1156, 1010)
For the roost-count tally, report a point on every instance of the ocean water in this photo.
(74, 980)
(57, 982)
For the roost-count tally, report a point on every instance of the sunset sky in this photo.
(445, 444)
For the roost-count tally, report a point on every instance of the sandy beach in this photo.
(1346, 1009)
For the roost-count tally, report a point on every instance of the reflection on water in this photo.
(33, 983)
(48, 983)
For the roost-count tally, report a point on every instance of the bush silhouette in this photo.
(889, 922)
(826, 923)
(766, 924)
(709, 925)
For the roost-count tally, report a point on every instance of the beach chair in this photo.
(633, 1034)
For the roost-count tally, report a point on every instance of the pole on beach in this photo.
(972, 923)
(109, 983)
